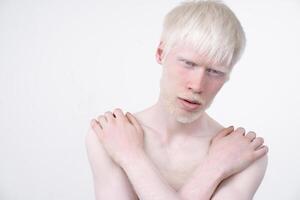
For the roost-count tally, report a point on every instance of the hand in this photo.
(232, 151)
(121, 135)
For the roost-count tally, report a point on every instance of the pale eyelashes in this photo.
(210, 70)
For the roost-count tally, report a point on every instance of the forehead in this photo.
(190, 53)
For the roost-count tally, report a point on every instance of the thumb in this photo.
(134, 122)
(224, 132)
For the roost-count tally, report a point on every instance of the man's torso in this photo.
(177, 160)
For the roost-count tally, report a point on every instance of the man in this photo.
(174, 150)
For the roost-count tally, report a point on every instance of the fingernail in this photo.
(231, 127)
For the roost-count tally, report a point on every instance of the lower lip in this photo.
(189, 106)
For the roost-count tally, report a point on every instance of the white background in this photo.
(64, 62)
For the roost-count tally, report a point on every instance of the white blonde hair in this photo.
(209, 26)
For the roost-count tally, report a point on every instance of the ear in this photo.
(159, 53)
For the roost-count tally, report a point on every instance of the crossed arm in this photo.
(122, 169)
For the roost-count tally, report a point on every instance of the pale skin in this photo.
(151, 155)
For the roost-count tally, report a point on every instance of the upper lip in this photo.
(192, 101)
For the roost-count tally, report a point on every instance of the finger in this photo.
(260, 152)
(95, 121)
(96, 127)
(109, 116)
(251, 135)
(224, 132)
(102, 121)
(257, 142)
(240, 130)
(92, 123)
(119, 114)
(134, 122)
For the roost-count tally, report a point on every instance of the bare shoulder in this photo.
(213, 126)
(244, 184)
(97, 156)
(110, 181)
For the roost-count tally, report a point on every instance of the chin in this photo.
(188, 118)
(184, 116)
(180, 115)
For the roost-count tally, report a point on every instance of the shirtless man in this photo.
(174, 150)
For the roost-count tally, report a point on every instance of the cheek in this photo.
(182, 76)
(177, 76)
(215, 86)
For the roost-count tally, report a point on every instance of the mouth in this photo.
(189, 105)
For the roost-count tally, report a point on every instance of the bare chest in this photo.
(176, 162)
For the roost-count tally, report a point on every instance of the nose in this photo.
(196, 81)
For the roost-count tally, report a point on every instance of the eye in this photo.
(214, 72)
(189, 64)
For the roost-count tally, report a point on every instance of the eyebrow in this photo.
(217, 67)
(181, 58)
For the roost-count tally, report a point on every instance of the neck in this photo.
(168, 127)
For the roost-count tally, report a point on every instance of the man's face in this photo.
(189, 83)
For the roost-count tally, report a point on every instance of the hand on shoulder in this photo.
(234, 150)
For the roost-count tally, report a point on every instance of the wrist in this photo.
(132, 159)
(205, 180)
(213, 169)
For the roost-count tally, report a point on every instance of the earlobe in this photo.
(159, 53)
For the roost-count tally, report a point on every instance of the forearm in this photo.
(147, 181)
(202, 184)
(149, 184)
